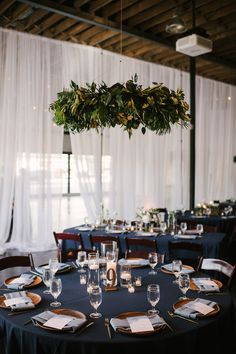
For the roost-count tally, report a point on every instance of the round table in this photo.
(212, 333)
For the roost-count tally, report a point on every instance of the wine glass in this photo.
(199, 228)
(153, 296)
(55, 289)
(184, 283)
(95, 298)
(81, 259)
(163, 227)
(53, 265)
(153, 260)
(183, 227)
(176, 269)
(47, 276)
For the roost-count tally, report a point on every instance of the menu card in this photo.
(140, 324)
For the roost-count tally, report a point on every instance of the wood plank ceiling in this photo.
(134, 27)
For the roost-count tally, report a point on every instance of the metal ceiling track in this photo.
(85, 17)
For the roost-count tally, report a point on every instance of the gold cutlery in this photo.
(107, 325)
(167, 324)
(80, 330)
(172, 314)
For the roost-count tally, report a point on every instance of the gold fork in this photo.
(172, 314)
(107, 325)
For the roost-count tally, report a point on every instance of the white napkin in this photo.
(72, 326)
(192, 313)
(206, 284)
(116, 323)
(62, 266)
(140, 261)
(184, 270)
(26, 301)
(186, 237)
(20, 282)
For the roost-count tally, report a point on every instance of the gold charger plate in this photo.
(170, 272)
(194, 287)
(36, 299)
(128, 330)
(184, 302)
(37, 280)
(66, 312)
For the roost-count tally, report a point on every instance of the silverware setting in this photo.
(107, 325)
(172, 314)
(80, 330)
(167, 324)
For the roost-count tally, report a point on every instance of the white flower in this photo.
(146, 218)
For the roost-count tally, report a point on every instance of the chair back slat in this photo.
(64, 251)
(219, 266)
(190, 253)
(17, 261)
(139, 248)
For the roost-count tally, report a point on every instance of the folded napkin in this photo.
(205, 284)
(20, 282)
(72, 326)
(188, 312)
(140, 261)
(186, 237)
(62, 266)
(184, 270)
(117, 323)
(24, 302)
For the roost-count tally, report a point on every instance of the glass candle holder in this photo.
(83, 279)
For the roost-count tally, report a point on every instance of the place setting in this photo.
(23, 281)
(19, 301)
(55, 266)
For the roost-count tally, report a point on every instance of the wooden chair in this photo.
(139, 247)
(96, 241)
(207, 228)
(68, 245)
(188, 252)
(17, 261)
(219, 269)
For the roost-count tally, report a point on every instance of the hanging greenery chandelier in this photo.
(128, 105)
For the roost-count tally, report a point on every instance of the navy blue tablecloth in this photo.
(211, 333)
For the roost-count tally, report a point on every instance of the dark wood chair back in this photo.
(96, 241)
(189, 253)
(139, 247)
(68, 245)
(17, 261)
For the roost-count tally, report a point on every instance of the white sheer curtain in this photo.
(28, 140)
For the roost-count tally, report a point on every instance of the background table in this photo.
(214, 334)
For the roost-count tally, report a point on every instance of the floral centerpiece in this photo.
(207, 209)
(128, 105)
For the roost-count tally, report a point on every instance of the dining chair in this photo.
(17, 261)
(96, 241)
(219, 268)
(139, 247)
(188, 252)
(68, 245)
(207, 228)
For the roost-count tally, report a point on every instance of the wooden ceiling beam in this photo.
(101, 37)
(46, 24)
(63, 26)
(5, 4)
(112, 9)
(98, 4)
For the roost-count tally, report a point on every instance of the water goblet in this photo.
(81, 260)
(163, 227)
(53, 265)
(95, 298)
(47, 276)
(184, 283)
(55, 289)
(200, 230)
(176, 269)
(153, 296)
(183, 227)
(153, 260)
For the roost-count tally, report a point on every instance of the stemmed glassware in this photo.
(55, 289)
(53, 265)
(176, 269)
(183, 227)
(153, 260)
(153, 296)
(81, 259)
(184, 283)
(163, 227)
(95, 298)
(200, 230)
(47, 277)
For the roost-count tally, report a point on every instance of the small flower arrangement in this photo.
(207, 209)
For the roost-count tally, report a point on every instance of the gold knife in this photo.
(107, 325)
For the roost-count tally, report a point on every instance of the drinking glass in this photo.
(183, 227)
(81, 259)
(176, 269)
(163, 227)
(47, 276)
(55, 289)
(53, 265)
(125, 275)
(95, 298)
(153, 296)
(184, 283)
(153, 260)
(199, 228)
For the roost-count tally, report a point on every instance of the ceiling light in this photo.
(176, 25)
